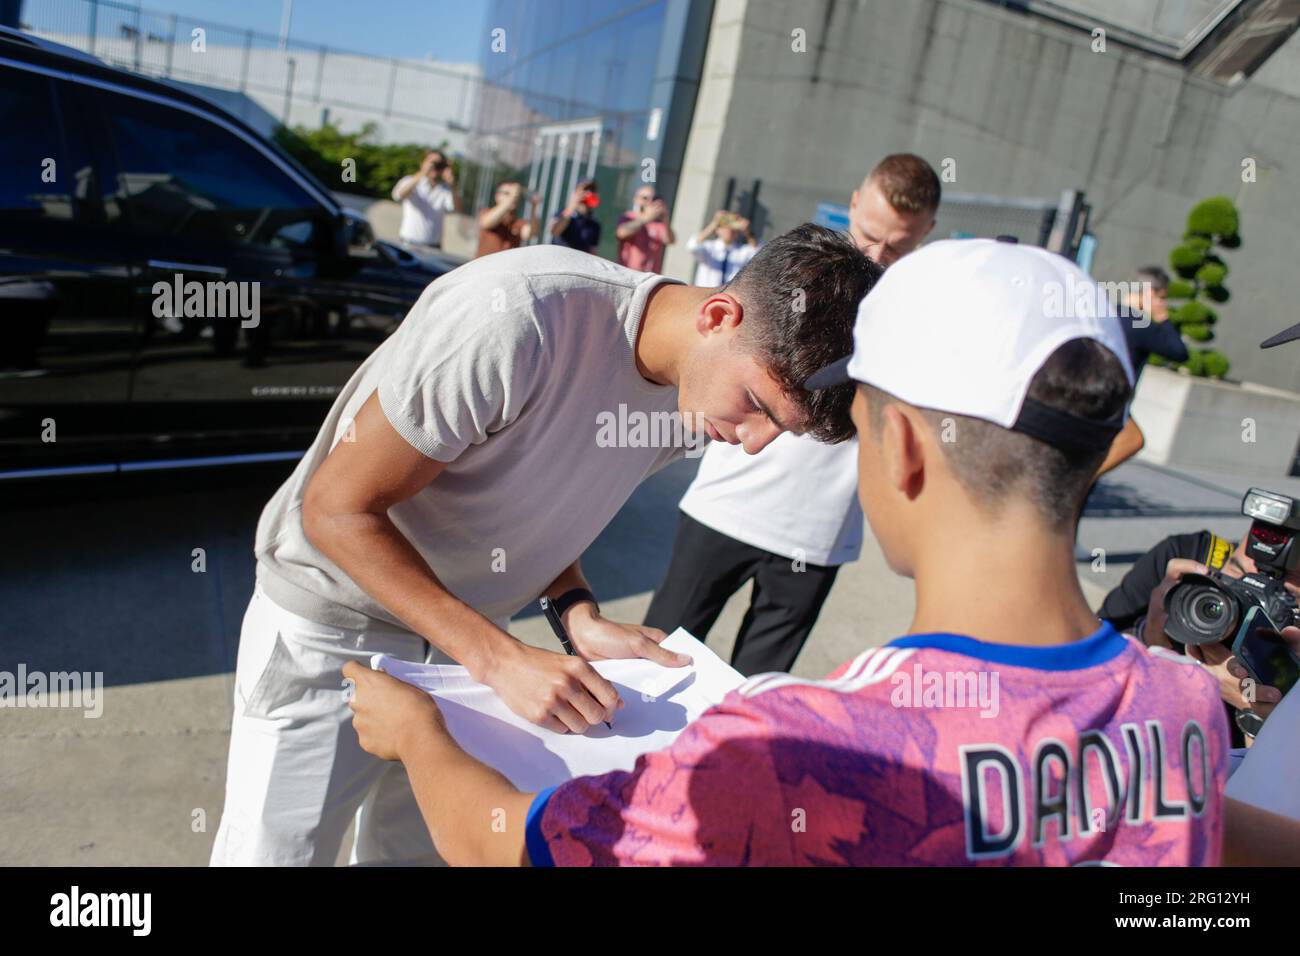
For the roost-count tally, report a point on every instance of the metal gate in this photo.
(562, 154)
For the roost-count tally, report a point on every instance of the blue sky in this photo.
(443, 29)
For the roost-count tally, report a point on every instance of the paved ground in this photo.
(97, 575)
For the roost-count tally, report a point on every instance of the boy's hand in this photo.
(389, 714)
(596, 638)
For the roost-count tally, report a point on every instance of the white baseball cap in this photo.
(963, 325)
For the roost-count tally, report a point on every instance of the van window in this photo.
(36, 184)
(176, 174)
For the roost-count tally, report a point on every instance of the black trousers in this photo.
(708, 567)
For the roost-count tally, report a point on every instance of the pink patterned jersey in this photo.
(936, 749)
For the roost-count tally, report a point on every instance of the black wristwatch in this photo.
(572, 597)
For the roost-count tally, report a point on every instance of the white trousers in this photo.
(296, 774)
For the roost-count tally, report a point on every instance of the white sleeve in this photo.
(399, 184)
(701, 252)
(444, 199)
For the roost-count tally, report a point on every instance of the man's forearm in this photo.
(629, 229)
(475, 816)
(370, 550)
(405, 186)
(493, 217)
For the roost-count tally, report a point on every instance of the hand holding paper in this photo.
(659, 703)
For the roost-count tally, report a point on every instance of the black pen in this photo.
(553, 619)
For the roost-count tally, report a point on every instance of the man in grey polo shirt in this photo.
(462, 472)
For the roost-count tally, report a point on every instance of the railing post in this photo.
(171, 45)
(248, 49)
(137, 39)
(392, 82)
(288, 91)
(94, 24)
(320, 69)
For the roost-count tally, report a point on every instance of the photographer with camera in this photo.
(722, 248)
(643, 232)
(1235, 610)
(426, 197)
(500, 227)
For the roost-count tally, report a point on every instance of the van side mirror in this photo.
(355, 233)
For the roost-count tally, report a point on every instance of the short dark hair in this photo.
(993, 463)
(800, 294)
(908, 182)
(1157, 276)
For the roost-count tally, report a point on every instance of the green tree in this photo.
(327, 150)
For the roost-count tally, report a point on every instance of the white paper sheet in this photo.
(658, 703)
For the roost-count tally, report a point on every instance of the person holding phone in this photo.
(643, 232)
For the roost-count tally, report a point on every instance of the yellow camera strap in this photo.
(1217, 554)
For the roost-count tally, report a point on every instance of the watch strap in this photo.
(571, 597)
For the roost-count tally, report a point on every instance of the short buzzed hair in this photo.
(994, 464)
(908, 182)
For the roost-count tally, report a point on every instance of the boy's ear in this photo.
(902, 449)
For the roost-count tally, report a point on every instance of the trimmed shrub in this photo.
(1216, 216)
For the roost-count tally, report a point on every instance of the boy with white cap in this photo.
(1009, 726)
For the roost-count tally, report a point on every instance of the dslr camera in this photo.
(1210, 608)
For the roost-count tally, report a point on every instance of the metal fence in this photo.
(294, 82)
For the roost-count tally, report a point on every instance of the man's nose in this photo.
(757, 437)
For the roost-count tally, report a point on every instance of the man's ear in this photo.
(719, 312)
(903, 450)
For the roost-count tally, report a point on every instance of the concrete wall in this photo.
(1224, 428)
(1025, 108)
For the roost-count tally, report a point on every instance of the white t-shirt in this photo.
(423, 209)
(797, 497)
(718, 263)
(506, 367)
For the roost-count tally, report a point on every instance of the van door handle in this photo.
(166, 266)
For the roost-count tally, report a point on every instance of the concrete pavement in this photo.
(98, 576)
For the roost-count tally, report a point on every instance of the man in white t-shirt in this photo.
(786, 519)
(426, 197)
(461, 473)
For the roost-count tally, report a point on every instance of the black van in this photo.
(174, 289)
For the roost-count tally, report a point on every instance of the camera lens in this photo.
(1201, 614)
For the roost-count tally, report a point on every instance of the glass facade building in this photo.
(573, 88)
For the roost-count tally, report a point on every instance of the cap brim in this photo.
(837, 373)
(1286, 335)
